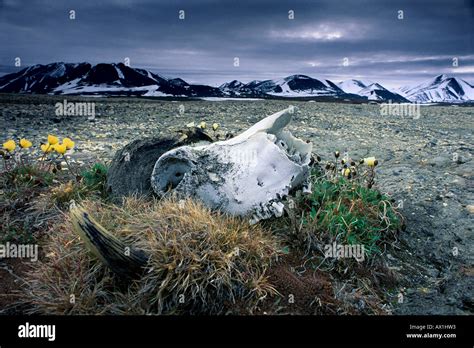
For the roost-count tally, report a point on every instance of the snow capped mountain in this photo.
(119, 79)
(262, 87)
(232, 85)
(370, 90)
(442, 88)
(100, 79)
(305, 86)
(291, 86)
(82, 78)
(235, 88)
(111, 78)
(42, 78)
(353, 86)
(377, 92)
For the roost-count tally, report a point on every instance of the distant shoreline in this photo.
(221, 99)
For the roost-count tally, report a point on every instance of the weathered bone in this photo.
(247, 175)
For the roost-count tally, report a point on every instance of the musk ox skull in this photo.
(247, 175)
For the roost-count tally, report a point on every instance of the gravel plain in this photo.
(425, 163)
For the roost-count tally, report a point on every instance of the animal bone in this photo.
(247, 175)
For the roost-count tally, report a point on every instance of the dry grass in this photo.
(31, 198)
(22, 214)
(344, 211)
(200, 263)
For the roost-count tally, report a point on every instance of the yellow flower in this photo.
(202, 125)
(215, 126)
(60, 148)
(346, 172)
(52, 139)
(9, 145)
(46, 148)
(69, 143)
(371, 161)
(24, 143)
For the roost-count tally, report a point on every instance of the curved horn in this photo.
(122, 259)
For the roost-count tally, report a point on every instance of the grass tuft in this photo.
(32, 195)
(200, 263)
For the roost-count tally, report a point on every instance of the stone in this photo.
(440, 161)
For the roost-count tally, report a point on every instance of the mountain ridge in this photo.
(113, 79)
(441, 88)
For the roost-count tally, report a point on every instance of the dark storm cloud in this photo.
(202, 47)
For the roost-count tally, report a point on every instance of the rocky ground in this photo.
(425, 163)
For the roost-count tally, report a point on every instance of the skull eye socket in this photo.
(169, 172)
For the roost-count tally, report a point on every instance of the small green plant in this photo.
(28, 175)
(343, 206)
(91, 183)
(14, 234)
(95, 178)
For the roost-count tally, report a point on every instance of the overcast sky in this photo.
(203, 46)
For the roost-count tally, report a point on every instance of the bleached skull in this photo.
(246, 176)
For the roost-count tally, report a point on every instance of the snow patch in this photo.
(229, 99)
(119, 72)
